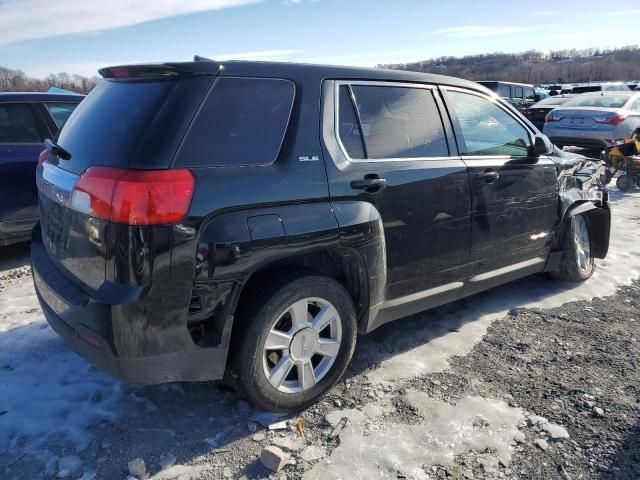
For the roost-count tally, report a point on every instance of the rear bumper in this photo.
(86, 326)
(16, 231)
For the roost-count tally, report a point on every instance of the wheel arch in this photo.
(599, 223)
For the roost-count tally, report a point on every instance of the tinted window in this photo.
(60, 112)
(348, 128)
(400, 122)
(242, 122)
(487, 129)
(504, 91)
(519, 92)
(18, 124)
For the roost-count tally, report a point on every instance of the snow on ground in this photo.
(53, 400)
(367, 453)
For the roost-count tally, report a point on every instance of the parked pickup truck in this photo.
(246, 220)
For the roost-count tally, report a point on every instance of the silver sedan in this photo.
(593, 120)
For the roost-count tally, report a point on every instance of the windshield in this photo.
(606, 101)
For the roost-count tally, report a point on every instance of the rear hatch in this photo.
(133, 122)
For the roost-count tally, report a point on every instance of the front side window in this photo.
(396, 122)
(60, 112)
(242, 122)
(487, 129)
(18, 124)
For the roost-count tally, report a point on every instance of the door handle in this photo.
(489, 176)
(370, 185)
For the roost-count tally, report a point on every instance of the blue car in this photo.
(26, 119)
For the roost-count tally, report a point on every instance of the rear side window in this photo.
(519, 92)
(60, 112)
(242, 122)
(487, 129)
(399, 122)
(348, 130)
(504, 91)
(18, 124)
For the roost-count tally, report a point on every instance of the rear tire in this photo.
(625, 182)
(577, 263)
(298, 338)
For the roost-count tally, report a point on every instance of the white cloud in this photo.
(473, 31)
(30, 19)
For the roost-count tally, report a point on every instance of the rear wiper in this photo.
(56, 149)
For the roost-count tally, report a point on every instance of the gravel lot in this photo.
(533, 380)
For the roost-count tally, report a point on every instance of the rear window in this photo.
(587, 89)
(60, 112)
(551, 101)
(109, 124)
(242, 122)
(606, 101)
(18, 124)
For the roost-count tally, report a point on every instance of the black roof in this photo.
(293, 71)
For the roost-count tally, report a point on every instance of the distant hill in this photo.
(562, 66)
(18, 81)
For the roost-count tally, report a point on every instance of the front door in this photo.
(393, 151)
(514, 194)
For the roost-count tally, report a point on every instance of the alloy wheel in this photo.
(302, 345)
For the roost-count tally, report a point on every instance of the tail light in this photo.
(134, 197)
(617, 120)
(550, 118)
(43, 156)
(528, 112)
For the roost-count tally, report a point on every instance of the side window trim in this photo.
(376, 83)
(458, 129)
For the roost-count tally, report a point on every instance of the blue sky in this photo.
(80, 36)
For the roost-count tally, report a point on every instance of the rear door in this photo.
(22, 132)
(391, 148)
(514, 195)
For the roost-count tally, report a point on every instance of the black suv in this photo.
(247, 220)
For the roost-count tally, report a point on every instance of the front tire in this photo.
(298, 338)
(577, 263)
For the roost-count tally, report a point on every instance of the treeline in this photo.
(562, 66)
(18, 81)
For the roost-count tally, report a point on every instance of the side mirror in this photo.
(542, 146)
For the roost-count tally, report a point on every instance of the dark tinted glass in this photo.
(348, 129)
(18, 124)
(242, 122)
(109, 125)
(487, 129)
(400, 122)
(60, 112)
